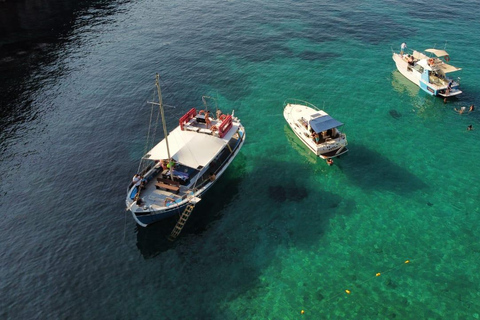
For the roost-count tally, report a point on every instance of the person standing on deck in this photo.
(403, 47)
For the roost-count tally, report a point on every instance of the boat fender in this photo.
(214, 128)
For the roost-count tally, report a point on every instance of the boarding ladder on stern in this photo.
(183, 219)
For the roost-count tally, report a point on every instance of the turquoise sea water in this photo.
(281, 232)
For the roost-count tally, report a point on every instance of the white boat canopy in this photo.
(324, 123)
(446, 68)
(437, 52)
(441, 67)
(188, 148)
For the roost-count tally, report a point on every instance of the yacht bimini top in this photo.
(190, 148)
(437, 52)
(323, 123)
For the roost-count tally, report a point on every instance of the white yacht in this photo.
(429, 72)
(315, 128)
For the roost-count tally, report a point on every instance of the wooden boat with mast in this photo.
(175, 173)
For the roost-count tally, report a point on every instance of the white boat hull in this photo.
(419, 76)
(330, 147)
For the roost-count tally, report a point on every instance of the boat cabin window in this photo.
(419, 68)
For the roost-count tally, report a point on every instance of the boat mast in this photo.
(160, 104)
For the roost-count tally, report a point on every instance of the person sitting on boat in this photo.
(139, 182)
(316, 138)
(136, 179)
(219, 114)
(212, 176)
(410, 60)
(164, 164)
(171, 164)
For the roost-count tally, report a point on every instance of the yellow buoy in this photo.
(347, 291)
(302, 312)
(378, 274)
(407, 261)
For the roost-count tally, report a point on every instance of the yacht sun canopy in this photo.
(438, 53)
(324, 123)
(446, 68)
(188, 148)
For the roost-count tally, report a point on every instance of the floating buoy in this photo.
(407, 261)
(302, 312)
(378, 274)
(347, 291)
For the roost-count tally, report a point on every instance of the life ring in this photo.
(431, 61)
(223, 117)
(447, 58)
(214, 128)
(202, 112)
(169, 201)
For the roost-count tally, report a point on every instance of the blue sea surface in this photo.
(389, 231)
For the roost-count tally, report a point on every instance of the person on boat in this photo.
(450, 85)
(219, 114)
(139, 182)
(447, 92)
(329, 161)
(207, 119)
(164, 164)
(316, 138)
(410, 60)
(136, 179)
(472, 108)
(334, 133)
(403, 47)
(212, 176)
(171, 164)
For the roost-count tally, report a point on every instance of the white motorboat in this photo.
(175, 173)
(429, 72)
(315, 128)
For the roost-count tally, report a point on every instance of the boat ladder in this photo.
(181, 222)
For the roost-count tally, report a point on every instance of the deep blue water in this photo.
(281, 232)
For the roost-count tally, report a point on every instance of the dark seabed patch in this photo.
(372, 171)
(282, 193)
(395, 114)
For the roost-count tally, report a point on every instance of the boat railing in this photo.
(187, 117)
(225, 126)
(298, 101)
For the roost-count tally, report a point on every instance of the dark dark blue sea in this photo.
(281, 235)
